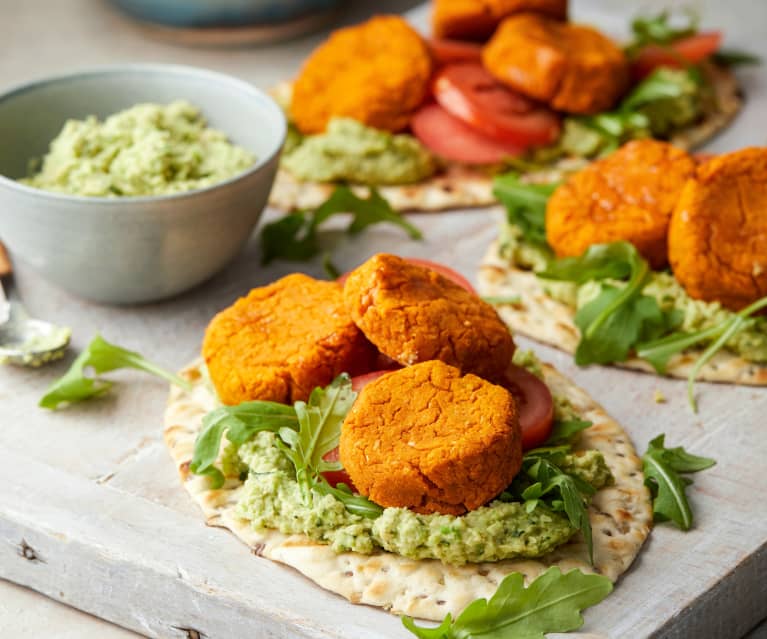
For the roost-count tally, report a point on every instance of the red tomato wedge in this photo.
(336, 476)
(446, 51)
(360, 381)
(453, 139)
(683, 52)
(445, 271)
(535, 404)
(470, 93)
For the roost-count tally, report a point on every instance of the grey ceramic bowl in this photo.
(137, 249)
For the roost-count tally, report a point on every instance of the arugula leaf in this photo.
(102, 357)
(662, 467)
(659, 29)
(618, 317)
(551, 603)
(502, 299)
(571, 492)
(525, 205)
(306, 432)
(564, 431)
(658, 352)
(240, 423)
(294, 236)
(735, 58)
(331, 270)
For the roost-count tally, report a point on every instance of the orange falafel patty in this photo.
(628, 195)
(413, 314)
(428, 439)
(477, 19)
(571, 67)
(376, 72)
(282, 341)
(718, 234)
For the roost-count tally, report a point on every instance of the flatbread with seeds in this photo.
(621, 517)
(461, 186)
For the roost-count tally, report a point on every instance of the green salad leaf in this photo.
(306, 432)
(551, 603)
(564, 431)
(662, 29)
(541, 480)
(295, 236)
(659, 351)
(735, 58)
(619, 317)
(101, 357)
(239, 423)
(525, 205)
(664, 470)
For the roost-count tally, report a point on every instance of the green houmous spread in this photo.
(350, 151)
(750, 343)
(149, 149)
(272, 499)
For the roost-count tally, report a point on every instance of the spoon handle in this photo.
(5, 262)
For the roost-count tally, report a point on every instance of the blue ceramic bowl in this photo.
(133, 249)
(222, 13)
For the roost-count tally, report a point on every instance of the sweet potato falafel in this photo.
(571, 67)
(628, 195)
(283, 340)
(428, 439)
(718, 234)
(413, 314)
(376, 72)
(477, 19)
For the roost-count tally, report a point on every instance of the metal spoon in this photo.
(25, 341)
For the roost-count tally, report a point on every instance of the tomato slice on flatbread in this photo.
(677, 55)
(453, 139)
(470, 93)
(535, 405)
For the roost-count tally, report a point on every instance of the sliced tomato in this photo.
(469, 92)
(335, 477)
(360, 381)
(445, 271)
(679, 54)
(453, 139)
(535, 404)
(446, 51)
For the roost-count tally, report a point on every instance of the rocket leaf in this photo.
(551, 603)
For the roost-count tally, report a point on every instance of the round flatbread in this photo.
(460, 186)
(621, 518)
(543, 318)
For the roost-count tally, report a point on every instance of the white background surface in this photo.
(39, 37)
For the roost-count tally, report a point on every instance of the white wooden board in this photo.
(92, 513)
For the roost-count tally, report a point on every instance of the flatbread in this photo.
(460, 186)
(621, 517)
(540, 316)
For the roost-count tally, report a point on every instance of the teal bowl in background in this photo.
(223, 13)
(133, 249)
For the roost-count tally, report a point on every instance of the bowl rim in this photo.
(176, 69)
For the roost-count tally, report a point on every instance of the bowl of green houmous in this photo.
(134, 183)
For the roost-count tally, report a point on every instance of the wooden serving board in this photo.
(93, 514)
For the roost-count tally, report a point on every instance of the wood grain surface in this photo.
(92, 514)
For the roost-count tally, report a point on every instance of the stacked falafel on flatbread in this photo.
(429, 123)
(414, 444)
(695, 225)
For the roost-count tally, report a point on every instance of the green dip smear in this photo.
(750, 343)
(149, 149)
(350, 151)
(272, 498)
